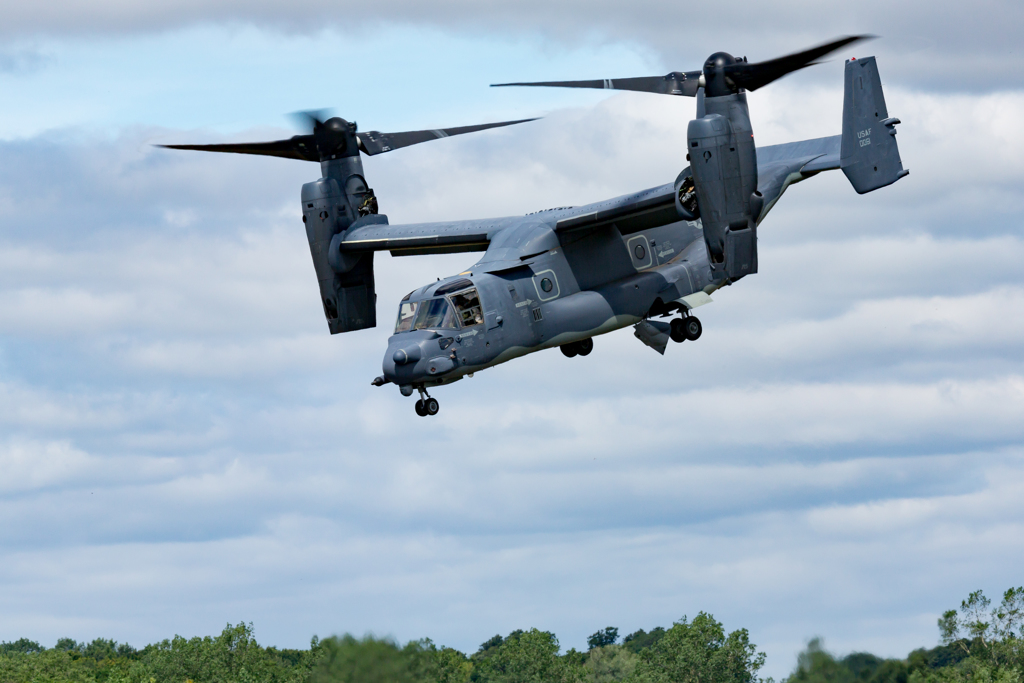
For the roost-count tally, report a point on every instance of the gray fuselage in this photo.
(539, 289)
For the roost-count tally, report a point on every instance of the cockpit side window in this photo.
(406, 315)
(467, 303)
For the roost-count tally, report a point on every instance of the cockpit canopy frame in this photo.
(458, 307)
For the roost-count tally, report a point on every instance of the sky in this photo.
(183, 444)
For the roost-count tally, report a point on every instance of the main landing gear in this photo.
(580, 348)
(682, 329)
(426, 405)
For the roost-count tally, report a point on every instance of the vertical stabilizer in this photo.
(870, 158)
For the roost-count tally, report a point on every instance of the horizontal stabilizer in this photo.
(869, 157)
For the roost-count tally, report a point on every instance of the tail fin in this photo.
(869, 158)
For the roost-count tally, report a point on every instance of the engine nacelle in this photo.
(724, 166)
(348, 297)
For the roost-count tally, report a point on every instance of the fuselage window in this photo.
(467, 303)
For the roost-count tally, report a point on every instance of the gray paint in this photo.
(870, 158)
(724, 166)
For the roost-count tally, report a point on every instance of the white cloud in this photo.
(968, 52)
(30, 465)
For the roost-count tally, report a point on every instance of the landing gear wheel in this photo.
(693, 328)
(569, 350)
(431, 406)
(585, 347)
(677, 330)
(420, 409)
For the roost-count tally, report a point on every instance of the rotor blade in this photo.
(675, 83)
(310, 119)
(759, 74)
(302, 147)
(374, 142)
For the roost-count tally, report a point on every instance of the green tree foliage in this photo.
(370, 660)
(234, 655)
(494, 642)
(991, 636)
(816, 665)
(978, 674)
(527, 657)
(102, 661)
(603, 638)
(638, 640)
(936, 658)
(982, 643)
(104, 648)
(68, 645)
(452, 666)
(22, 645)
(610, 663)
(51, 666)
(699, 652)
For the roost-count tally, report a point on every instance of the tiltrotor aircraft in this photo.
(561, 277)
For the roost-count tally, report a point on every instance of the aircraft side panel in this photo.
(658, 246)
(576, 317)
(597, 256)
(515, 288)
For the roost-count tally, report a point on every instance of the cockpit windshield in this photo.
(435, 313)
(425, 315)
(439, 313)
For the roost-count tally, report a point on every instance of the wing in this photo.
(373, 233)
(630, 213)
(779, 166)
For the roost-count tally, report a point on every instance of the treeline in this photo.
(699, 648)
(981, 643)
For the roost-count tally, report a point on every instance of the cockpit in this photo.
(454, 305)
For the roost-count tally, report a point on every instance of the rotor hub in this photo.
(336, 137)
(716, 83)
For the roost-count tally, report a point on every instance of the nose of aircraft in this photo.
(410, 353)
(410, 360)
(402, 359)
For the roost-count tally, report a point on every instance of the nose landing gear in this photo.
(580, 348)
(426, 405)
(682, 329)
